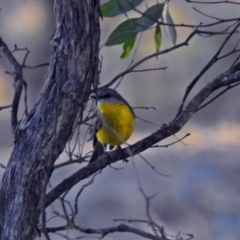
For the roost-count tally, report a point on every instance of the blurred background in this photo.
(200, 195)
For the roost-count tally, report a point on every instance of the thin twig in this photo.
(25, 57)
(170, 144)
(78, 160)
(18, 83)
(36, 66)
(147, 199)
(25, 97)
(2, 166)
(146, 108)
(152, 167)
(150, 69)
(218, 95)
(147, 121)
(75, 212)
(138, 63)
(119, 228)
(5, 107)
(212, 61)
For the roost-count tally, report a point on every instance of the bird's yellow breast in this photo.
(117, 123)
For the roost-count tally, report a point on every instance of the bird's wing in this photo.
(97, 126)
(98, 148)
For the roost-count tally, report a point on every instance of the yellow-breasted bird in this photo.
(114, 123)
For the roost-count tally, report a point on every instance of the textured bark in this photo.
(41, 137)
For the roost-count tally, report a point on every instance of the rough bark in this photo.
(41, 137)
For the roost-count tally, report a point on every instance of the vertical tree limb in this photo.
(41, 137)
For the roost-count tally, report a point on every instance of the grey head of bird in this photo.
(111, 96)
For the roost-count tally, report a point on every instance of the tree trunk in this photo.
(41, 137)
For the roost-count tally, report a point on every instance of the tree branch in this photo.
(18, 83)
(129, 70)
(231, 76)
(213, 60)
(119, 228)
(5, 107)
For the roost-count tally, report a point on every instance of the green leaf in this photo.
(127, 47)
(158, 38)
(150, 17)
(117, 7)
(172, 29)
(123, 32)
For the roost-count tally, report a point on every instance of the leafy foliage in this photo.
(126, 32)
(127, 47)
(123, 32)
(114, 8)
(172, 30)
(150, 17)
(158, 38)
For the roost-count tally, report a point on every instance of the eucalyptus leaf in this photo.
(114, 8)
(150, 17)
(127, 47)
(158, 38)
(172, 29)
(123, 32)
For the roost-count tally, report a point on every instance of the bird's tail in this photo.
(97, 152)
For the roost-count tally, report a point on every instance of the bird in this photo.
(114, 124)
